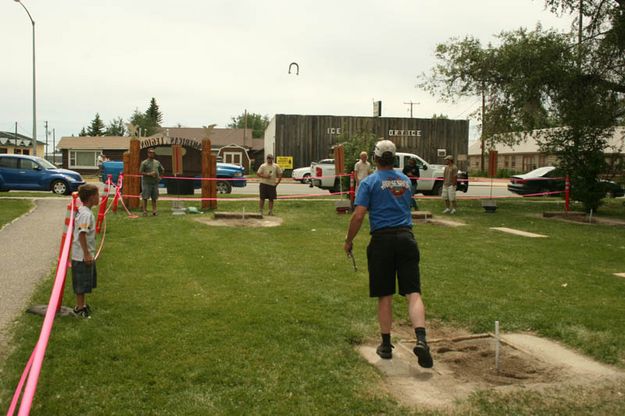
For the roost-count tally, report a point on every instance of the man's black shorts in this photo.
(393, 253)
(267, 191)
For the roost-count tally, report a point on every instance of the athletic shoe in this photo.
(270, 213)
(453, 211)
(82, 312)
(385, 351)
(447, 210)
(422, 351)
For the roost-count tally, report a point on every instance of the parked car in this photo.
(541, 180)
(301, 174)
(31, 173)
(551, 179)
(224, 170)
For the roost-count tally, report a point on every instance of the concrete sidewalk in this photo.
(30, 248)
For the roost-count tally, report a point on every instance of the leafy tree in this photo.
(536, 79)
(146, 125)
(116, 127)
(257, 122)
(96, 128)
(363, 141)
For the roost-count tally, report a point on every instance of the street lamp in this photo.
(34, 83)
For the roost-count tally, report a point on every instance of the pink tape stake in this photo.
(44, 336)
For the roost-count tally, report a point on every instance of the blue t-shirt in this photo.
(386, 194)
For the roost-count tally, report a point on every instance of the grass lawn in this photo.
(13, 208)
(194, 320)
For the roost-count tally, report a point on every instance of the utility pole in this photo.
(245, 127)
(580, 29)
(15, 137)
(54, 147)
(411, 104)
(46, 151)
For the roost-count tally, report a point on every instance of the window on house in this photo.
(232, 157)
(4, 150)
(83, 159)
(17, 151)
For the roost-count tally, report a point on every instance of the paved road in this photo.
(476, 189)
(29, 251)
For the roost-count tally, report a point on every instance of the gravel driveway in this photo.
(29, 249)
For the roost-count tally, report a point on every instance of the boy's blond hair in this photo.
(86, 191)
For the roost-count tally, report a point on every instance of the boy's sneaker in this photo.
(385, 351)
(447, 210)
(422, 351)
(453, 211)
(82, 312)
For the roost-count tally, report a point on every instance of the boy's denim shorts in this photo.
(84, 277)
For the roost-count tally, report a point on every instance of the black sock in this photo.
(420, 333)
(386, 339)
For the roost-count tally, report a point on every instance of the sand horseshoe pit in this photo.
(465, 364)
(240, 219)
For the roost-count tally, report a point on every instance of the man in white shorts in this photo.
(450, 178)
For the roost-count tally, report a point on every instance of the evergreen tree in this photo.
(153, 114)
(96, 128)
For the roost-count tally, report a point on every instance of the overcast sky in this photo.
(207, 60)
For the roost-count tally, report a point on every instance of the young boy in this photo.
(84, 276)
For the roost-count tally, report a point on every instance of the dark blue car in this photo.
(234, 173)
(31, 173)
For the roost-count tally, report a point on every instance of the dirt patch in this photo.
(241, 222)
(582, 218)
(465, 363)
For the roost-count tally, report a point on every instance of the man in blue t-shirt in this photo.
(392, 252)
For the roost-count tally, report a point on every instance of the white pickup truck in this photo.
(430, 181)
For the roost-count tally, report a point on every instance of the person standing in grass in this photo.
(392, 253)
(151, 171)
(362, 169)
(450, 178)
(412, 171)
(84, 275)
(270, 176)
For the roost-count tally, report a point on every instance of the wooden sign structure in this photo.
(132, 182)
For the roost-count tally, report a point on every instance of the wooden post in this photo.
(209, 170)
(339, 164)
(132, 183)
(492, 163)
(213, 183)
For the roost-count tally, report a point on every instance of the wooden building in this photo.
(19, 144)
(309, 138)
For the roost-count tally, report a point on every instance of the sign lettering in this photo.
(404, 133)
(285, 162)
(168, 141)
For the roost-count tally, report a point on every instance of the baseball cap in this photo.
(384, 146)
(449, 157)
